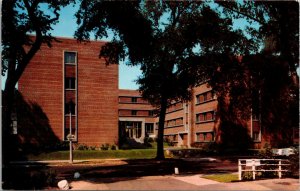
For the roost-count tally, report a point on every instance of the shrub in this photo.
(82, 147)
(247, 175)
(294, 163)
(113, 147)
(104, 146)
(125, 146)
(92, 148)
(147, 141)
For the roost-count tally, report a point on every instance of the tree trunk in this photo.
(8, 139)
(160, 136)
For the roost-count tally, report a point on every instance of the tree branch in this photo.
(242, 13)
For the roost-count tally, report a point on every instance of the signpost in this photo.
(70, 137)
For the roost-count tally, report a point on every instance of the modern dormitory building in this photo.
(70, 78)
(72, 85)
(136, 117)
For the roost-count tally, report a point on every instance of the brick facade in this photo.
(42, 83)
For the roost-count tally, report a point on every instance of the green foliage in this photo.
(247, 175)
(222, 177)
(294, 163)
(82, 146)
(22, 17)
(92, 148)
(105, 147)
(114, 147)
(96, 154)
(163, 47)
(148, 141)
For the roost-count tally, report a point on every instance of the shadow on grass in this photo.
(23, 177)
(135, 169)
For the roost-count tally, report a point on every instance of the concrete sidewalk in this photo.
(193, 182)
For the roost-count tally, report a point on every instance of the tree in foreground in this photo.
(19, 19)
(168, 40)
(273, 90)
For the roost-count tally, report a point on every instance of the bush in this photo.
(247, 175)
(104, 146)
(82, 147)
(294, 163)
(125, 146)
(113, 147)
(92, 148)
(147, 141)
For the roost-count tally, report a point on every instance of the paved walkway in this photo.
(194, 182)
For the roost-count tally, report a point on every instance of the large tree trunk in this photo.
(8, 140)
(160, 136)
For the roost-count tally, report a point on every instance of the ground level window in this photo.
(149, 128)
(255, 136)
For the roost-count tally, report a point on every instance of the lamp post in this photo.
(70, 139)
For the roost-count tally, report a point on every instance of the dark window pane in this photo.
(70, 106)
(70, 57)
(70, 83)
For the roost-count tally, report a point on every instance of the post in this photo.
(70, 139)
(253, 169)
(279, 172)
(240, 169)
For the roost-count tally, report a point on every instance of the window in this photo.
(133, 99)
(206, 116)
(133, 112)
(205, 97)
(197, 117)
(197, 98)
(69, 83)
(70, 58)
(149, 128)
(255, 136)
(70, 107)
(151, 113)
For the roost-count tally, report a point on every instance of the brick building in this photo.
(196, 122)
(136, 117)
(71, 84)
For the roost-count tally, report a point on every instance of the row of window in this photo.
(125, 99)
(175, 107)
(174, 122)
(136, 113)
(205, 116)
(205, 137)
(204, 97)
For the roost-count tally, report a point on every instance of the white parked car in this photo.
(283, 151)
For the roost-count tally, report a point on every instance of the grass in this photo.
(96, 154)
(222, 177)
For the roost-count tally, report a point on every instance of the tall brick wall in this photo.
(42, 82)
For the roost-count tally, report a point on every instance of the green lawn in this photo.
(222, 177)
(96, 154)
